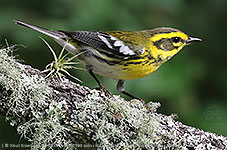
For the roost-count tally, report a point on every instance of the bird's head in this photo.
(166, 42)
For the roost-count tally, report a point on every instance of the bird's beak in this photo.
(192, 39)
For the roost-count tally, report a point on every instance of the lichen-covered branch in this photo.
(59, 113)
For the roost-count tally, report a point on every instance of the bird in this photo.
(120, 55)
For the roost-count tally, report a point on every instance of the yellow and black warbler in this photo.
(121, 55)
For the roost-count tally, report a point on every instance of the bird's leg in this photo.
(120, 88)
(101, 86)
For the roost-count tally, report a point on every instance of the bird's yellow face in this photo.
(165, 45)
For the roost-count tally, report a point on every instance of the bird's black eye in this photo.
(176, 39)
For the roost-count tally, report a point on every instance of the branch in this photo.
(59, 113)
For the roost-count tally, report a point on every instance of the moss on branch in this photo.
(59, 113)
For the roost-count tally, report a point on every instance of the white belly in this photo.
(103, 68)
(97, 66)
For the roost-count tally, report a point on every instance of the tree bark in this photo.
(52, 112)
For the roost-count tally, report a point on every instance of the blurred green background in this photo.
(193, 84)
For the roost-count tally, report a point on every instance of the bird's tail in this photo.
(60, 37)
(54, 34)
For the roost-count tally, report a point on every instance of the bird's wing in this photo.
(108, 43)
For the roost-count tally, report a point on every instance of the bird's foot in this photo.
(104, 90)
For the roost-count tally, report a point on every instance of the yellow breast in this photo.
(137, 71)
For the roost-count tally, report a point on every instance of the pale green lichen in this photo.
(114, 123)
(27, 91)
(29, 96)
